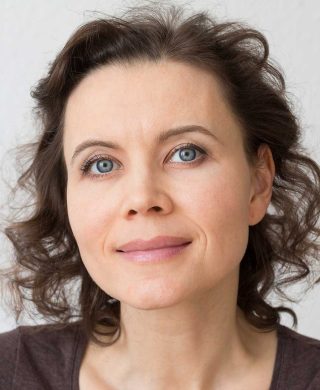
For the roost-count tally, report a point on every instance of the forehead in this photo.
(168, 77)
(145, 95)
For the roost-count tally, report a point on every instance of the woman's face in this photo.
(144, 188)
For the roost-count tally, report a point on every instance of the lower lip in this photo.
(154, 255)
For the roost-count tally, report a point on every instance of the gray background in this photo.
(33, 31)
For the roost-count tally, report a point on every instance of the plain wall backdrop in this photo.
(33, 31)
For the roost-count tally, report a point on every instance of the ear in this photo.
(261, 185)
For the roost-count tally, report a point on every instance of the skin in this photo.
(181, 327)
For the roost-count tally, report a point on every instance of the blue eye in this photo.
(186, 153)
(103, 164)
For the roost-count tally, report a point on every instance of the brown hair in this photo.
(46, 254)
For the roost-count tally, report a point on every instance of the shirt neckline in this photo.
(81, 343)
(79, 350)
(278, 364)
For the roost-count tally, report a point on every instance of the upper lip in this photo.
(154, 243)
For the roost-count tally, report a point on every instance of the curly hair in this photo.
(282, 247)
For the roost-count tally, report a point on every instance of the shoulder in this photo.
(298, 360)
(38, 354)
(9, 342)
(299, 344)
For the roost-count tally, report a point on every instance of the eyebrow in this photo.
(161, 138)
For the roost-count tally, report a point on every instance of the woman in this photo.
(165, 140)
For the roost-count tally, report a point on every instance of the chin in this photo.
(152, 302)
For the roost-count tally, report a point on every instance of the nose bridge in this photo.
(143, 178)
(144, 189)
(142, 169)
(143, 150)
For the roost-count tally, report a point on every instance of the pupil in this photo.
(104, 165)
(185, 153)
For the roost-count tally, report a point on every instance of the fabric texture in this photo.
(36, 357)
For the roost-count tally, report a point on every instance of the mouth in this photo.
(154, 255)
(154, 249)
(158, 242)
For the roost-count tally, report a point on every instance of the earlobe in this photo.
(262, 180)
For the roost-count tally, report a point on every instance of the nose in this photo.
(145, 194)
(143, 210)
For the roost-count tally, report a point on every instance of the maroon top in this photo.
(50, 359)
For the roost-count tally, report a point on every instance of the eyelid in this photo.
(85, 166)
(96, 157)
(186, 146)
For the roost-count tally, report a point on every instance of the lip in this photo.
(154, 255)
(158, 242)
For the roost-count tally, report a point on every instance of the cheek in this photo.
(89, 219)
(221, 213)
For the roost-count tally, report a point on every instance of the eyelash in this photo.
(89, 162)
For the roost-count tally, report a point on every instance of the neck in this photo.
(187, 345)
